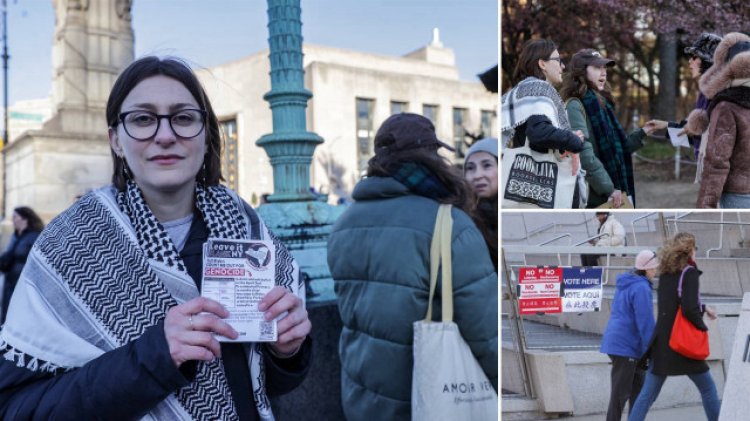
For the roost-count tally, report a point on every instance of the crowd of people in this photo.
(107, 320)
(578, 128)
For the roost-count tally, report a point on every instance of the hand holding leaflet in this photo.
(676, 139)
(238, 274)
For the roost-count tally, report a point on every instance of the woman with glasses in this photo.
(630, 326)
(590, 107)
(107, 321)
(539, 70)
(533, 110)
(677, 263)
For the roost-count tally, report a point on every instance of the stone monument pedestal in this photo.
(49, 171)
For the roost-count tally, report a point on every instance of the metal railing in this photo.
(551, 240)
(542, 228)
(721, 223)
(632, 225)
(591, 238)
(674, 220)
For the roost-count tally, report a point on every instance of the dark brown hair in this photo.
(34, 221)
(450, 176)
(575, 84)
(674, 256)
(178, 70)
(528, 61)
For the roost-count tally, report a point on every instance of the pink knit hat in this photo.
(646, 259)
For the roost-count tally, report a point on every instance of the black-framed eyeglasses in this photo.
(143, 125)
(558, 59)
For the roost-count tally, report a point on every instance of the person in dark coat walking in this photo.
(628, 332)
(678, 254)
(26, 228)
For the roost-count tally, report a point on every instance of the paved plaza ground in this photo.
(684, 413)
(656, 187)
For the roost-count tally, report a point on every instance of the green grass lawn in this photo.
(661, 149)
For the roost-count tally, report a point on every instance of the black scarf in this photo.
(739, 95)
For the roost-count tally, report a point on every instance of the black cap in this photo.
(405, 131)
(590, 57)
(704, 47)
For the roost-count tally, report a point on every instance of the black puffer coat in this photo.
(665, 361)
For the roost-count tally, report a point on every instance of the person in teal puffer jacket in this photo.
(629, 330)
(379, 254)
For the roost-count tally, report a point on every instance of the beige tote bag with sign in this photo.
(447, 381)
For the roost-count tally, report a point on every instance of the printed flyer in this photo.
(238, 274)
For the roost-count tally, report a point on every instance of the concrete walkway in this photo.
(685, 413)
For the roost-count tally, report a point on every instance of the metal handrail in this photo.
(520, 332)
(540, 229)
(591, 238)
(567, 234)
(549, 225)
(508, 215)
(676, 219)
(632, 225)
(742, 230)
(721, 231)
(607, 251)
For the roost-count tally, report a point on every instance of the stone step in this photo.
(577, 381)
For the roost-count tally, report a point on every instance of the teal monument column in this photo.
(300, 221)
(293, 213)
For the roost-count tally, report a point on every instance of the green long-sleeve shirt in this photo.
(600, 183)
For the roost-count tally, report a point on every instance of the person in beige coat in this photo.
(612, 235)
(613, 228)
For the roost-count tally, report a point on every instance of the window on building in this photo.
(431, 112)
(398, 107)
(487, 121)
(365, 133)
(228, 129)
(459, 119)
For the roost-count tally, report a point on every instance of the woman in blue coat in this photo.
(628, 332)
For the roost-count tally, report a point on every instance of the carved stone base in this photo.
(304, 228)
(49, 171)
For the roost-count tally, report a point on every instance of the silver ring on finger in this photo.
(190, 320)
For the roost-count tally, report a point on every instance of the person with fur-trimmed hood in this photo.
(726, 169)
(695, 126)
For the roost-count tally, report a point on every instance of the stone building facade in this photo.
(353, 93)
(63, 150)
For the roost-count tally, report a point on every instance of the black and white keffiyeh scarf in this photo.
(532, 96)
(105, 270)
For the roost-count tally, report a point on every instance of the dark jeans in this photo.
(590, 259)
(627, 380)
